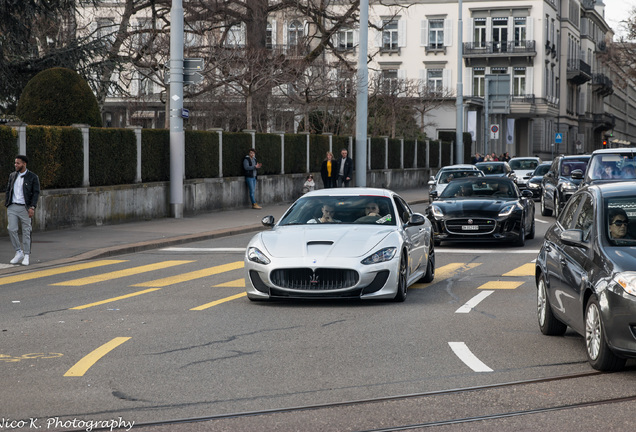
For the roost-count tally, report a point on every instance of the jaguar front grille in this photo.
(460, 226)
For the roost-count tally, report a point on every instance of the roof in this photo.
(615, 150)
(352, 191)
(614, 188)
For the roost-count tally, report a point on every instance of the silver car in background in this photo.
(361, 243)
(444, 176)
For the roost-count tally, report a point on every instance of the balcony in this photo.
(603, 122)
(487, 50)
(579, 72)
(602, 84)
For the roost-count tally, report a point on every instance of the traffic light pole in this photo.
(177, 136)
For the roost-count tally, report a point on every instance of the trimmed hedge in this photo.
(8, 152)
(56, 155)
(112, 156)
(155, 155)
(201, 154)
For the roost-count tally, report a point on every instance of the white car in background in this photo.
(523, 168)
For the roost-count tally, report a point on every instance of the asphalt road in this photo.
(168, 334)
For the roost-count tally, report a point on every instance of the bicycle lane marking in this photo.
(82, 366)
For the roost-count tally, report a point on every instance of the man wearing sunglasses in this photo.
(618, 222)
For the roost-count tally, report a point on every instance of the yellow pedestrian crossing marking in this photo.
(524, 270)
(223, 300)
(239, 283)
(57, 271)
(86, 306)
(121, 273)
(192, 275)
(445, 272)
(501, 285)
(82, 366)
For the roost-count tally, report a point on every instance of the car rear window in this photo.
(612, 167)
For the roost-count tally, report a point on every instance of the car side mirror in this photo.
(431, 182)
(434, 194)
(526, 193)
(432, 179)
(549, 174)
(572, 237)
(268, 221)
(417, 219)
(577, 174)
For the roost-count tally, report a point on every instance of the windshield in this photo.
(612, 167)
(447, 176)
(480, 188)
(541, 170)
(366, 209)
(523, 164)
(621, 221)
(569, 165)
(489, 168)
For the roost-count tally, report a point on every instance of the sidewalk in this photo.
(50, 248)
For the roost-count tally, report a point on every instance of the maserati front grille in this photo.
(310, 280)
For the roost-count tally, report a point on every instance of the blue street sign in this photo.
(185, 113)
(558, 138)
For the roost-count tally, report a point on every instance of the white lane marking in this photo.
(487, 251)
(461, 350)
(183, 249)
(470, 304)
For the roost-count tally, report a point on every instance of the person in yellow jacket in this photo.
(328, 171)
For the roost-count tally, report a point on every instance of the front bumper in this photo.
(618, 311)
(489, 229)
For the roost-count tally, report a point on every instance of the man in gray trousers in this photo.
(21, 198)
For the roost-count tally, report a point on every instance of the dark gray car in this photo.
(585, 273)
(561, 181)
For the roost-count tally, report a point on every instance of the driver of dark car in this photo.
(618, 223)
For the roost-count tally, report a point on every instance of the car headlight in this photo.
(382, 255)
(507, 210)
(437, 212)
(255, 255)
(534, 185)
(627, 280)
(568, 186)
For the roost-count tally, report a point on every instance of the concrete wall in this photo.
(67, 208)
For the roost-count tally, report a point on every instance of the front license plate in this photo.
(470, 227)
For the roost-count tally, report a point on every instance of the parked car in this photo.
(496, 169)
(523, 168)
(341, 243)
(615, 164)
(482, 209)
(561, 181)
(448, 173)
(585, 273)
(536, 179)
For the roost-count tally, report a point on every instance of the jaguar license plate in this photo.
(470, 227)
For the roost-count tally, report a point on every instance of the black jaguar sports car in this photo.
(482, 209)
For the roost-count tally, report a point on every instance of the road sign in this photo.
(494, 131)
(193, 64)
(191, 71)
(185, 113)
(558, 138)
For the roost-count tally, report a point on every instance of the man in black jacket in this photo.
(345, 169)
(21, 198)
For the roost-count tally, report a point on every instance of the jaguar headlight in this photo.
(627, 280)
(507, 210)
(255, 255)
(382, 255)
(437, 212)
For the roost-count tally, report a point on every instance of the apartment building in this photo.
(532, 80)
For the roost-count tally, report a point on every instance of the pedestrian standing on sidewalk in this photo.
(345, 169)
(328, 171)
(21, 198)
(250, 166)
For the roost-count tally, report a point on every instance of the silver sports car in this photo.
(341, 243)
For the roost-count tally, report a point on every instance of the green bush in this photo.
(201, 154)
(155, 155)
(295, 153)
(58, 97)
(112, 156)
(318, 148)
(56, 155)
(395, 153)
(377, 153)
(235, 147)
(409, 154)
(268, 152)
(8, 151)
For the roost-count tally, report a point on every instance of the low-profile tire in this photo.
(430, 266)
(544, 211)
(548, 323)
(599, 355)
(532, 231)
(521, 238)
(400, 296)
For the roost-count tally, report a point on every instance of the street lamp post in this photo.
(362, 98)
(177, 136)
(459, 137)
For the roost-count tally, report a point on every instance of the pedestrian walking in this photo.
(250, 166)
(345, 169)
(21, 198)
